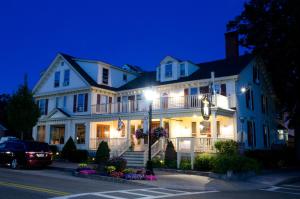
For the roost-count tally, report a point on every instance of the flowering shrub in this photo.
(134, 176)
(87, 172)
(139, 133)
(118, 162)
(116, 174)
(82, 165)
(110, 169)
(129, 170)
(150, 177)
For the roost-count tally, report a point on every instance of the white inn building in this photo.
(84, 99)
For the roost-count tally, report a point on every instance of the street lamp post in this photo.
(149, 95)
(149, 163)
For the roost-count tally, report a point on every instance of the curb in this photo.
(109, 179)
(60, 169)
(289, 180)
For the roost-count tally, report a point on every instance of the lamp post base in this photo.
(149, 168)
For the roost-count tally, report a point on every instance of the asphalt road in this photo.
(31, 184)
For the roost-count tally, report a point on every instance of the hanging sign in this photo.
(205, 108)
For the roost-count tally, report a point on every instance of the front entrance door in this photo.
(103, 131)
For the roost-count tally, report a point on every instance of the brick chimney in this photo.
(231, 45)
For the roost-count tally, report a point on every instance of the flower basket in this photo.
(159, 132)
(139, 134)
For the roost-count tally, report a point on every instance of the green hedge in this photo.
(236, 163)
(229, 147)
(185, 165)
(203, 162)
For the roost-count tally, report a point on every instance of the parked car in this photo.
(19, 153)
(7, 138)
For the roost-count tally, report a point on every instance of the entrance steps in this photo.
(134, 158)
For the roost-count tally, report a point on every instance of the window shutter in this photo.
(86, 97)
(75, 104)
(254, 133)
(46, 107)
(252, 100)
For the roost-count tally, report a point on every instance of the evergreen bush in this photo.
(229, 147)
(170, 156)
(68, 149)
(102, 154)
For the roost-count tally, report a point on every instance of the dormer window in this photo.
(182, 69)
(105, 76)
(168, 69)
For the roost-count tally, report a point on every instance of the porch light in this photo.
(150, 94)
(243, 89)
(200, 96)
(201, 127)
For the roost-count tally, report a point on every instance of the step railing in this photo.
(117, 146)
(156, 148)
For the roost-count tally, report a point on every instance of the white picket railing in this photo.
(156, 147)
(117, 146)
(191, 144)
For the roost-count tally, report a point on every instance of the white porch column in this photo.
(47, 133)
(128, 129)
(213, 125)
(87, 135)
(71, 131)
(34, 132)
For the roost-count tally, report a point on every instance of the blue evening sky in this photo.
(139, 32)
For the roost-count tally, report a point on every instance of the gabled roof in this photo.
(221, 68)
(56, 110)
(78, 68)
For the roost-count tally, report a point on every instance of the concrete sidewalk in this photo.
(175, 180)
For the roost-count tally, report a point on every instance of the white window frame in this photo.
(169, 74)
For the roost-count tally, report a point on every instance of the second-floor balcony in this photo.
(161, 104)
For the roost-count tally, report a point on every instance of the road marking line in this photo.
(289, 185)
(151, 191)
(105, 194)
(132, 193)
(283, 192)
(289, 188)
(32, 188)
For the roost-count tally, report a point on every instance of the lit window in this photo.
(56, 79)
(182, 70)
(80, 133)
(168, 69)
(105, 76)
(57, 134)
(66, 78)
(41, 133)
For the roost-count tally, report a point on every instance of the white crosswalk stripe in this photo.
(147, 193)
(285, 189)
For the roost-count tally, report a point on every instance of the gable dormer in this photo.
(171, 69)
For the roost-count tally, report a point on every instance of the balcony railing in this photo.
(163, 104)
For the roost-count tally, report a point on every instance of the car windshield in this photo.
(37, 146)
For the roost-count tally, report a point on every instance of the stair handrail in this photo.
(122, 148)
(156, 147)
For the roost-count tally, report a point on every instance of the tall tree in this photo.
(271, 29)
(22, 112)
(4, 99)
